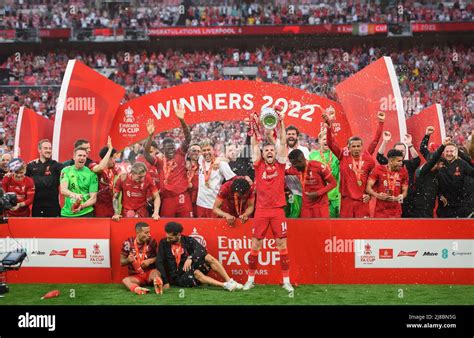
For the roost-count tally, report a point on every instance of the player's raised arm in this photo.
(150, 127)
(180, 112)
(332, 144)
(103, 163)
(424, 142)
(282, 149)
(378, 133)
(387, 136)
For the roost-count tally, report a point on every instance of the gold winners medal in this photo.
(359, 182)
(208, 185)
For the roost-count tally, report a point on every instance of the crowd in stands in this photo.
(426, 76)
(148, 14)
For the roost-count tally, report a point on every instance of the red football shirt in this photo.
(25, 192)
(315, 177)
(134, 194)
(229, 202)
(151, 169)
(390, 183)
(270, 184)
(173, 175)
(145, 251)
(105, 194)
(354, 172)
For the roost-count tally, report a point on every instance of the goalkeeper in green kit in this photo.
(324, 155)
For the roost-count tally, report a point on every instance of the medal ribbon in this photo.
(177, 251)
(207, 173)
(140, 257)
(238, 206)
(357, 168)
(167, 167)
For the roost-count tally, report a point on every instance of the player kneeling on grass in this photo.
(139, 253)
(188, 262)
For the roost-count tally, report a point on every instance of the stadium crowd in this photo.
(426, 76)
(149, 14)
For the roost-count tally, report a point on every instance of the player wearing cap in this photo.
(22, 186)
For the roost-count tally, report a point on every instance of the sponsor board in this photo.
(419, 253)
(67, 253)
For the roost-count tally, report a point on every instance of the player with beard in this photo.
(187, 262)
(325, 156)
(176, 201)
(411, 165)
(355, 166)
(426, 184)
(294, 193)
(292, 142)
(212, 172)
(269, 167)
(139, 254)
(455, 186)
(389, 185)
(45, 172)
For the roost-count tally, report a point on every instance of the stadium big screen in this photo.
(246, 157)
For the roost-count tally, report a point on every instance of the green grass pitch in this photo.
(116, 294)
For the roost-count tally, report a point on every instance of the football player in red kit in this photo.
(355, 166)
(176, 201)
(316, 180)
(139, 254)
(235, 200)
(269, 167)
(23, 187)
(105, 171)
(389, 185)
(135, 188)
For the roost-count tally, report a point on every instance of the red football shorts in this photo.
(143, 278)
(353, 208)
(315, 211)
(265, 218)
(176, 206)
(141, 213)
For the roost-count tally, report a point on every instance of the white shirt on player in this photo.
(207, 195)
